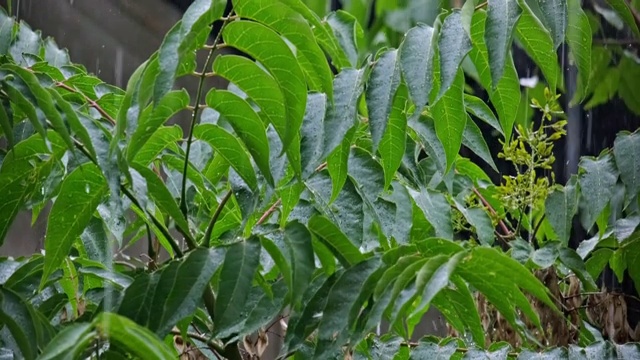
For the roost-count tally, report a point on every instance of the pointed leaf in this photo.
(450, 118)
(246, 124)
(625, 147)
(19, 318)
(167, 137)
(425, 129)
(342, 116)
(472, 138)
(416, 61)
(623, 9)
(554, 18)
(230, 148)
(393, 143)
(337, 165)
(346, 252)
(579, 39)
(267, 47)
(348, 32)
(69, 343)
(502, 16)
(453, 45)
(381, 89)
(80, 193)
(436, 209)
(312, 133)
(298, 239)
(597, 181)
(240, 265)
(560, 207)
(478, 108)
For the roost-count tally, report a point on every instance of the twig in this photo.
(503, 226)
(214, 218)
(268, 212)
(91, 102)
(481, 5)
(608, 41)
(210, 343)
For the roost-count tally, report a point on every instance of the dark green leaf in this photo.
(425, 129)
(560, 207)
(20, 319)
(348, 33)
(502, 16)
(453, 45)
(436, 209)
(312, 133)
(624, 148)
(230, 148)
(597, 181)
(298, 239)
(342, 116)
(80, 193)
(381, 89)
(554, 18)
(478, 108)
(472, 138)
(416, 61)
(346, 252)
(69, 343)
(17, 98)
(163, 138)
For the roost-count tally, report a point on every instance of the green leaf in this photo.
(425, 129)
(624, 148)
(135, 339)
(560, 207)
(21, 102)
(348, 33)
(231, 150)
(506, 95)
(159, 300)
(312, 133)
(449, 118)
(539, 45)
(337, 165)
(130, 108)
(342, 116)
(623, 9)
(366, 173)
(478, 108)
(554, 17)
(330, 235)
(597, 261)
(7, 127)
(27, 42)
(436, 209)
(462, 301)
(246, 124)
(267, 47)
(381, 89)
(298, 239)
(572, 260)
(480, 220)
(21, 320)
(393, 143)
(69, 343)
(453, 45)
(416, 61)
(579, 39)
(332, 330)
(240, 265)
(80, 193)
(6, 31)
(153, 117)
(73, 121)
(163, 138)
(472, 138)
(294, 28)
(502, 16)
(597, 180)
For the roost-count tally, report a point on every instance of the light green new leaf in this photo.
(80, 193)
(473, 139)
(436, 209)
(69, 343)
(416, 62)
(502, 16)
(231, 150)
(153, 117)
(393, 143)
(597, 180)
(294, 28)
(622, 8)
(579, 39)
(267, 47)
(332, 330)
(449, 118)
(478, 108)
(236, 276)
(560, 207)
(167, 137)
(247, 125)
(161, 299)
(381, 89)
(344, 250)
(554, 18)
(342, 116)
(453, 45)
(348, 32)
(506, 96)
(626, 149)
(538, 44)
(135, 339)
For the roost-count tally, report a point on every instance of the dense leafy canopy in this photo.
(331, 184)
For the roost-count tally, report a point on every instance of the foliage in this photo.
(324, 186)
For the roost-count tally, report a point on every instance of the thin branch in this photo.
(481, 5)
(503, 226)
(210, 343)
(214, 218)
(91, 102)
(535, 230)
(269, 211)
(194, 119)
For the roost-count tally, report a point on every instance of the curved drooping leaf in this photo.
(230, 148)
(16, 97)
(79, 196)
(624, 149)
(425, 129)
(152, 118)
(71, 341)
(506, 95)
(416, 61)
(560, 207)
(346, 252)
(298, 239)
(539, 44)
(312, 133)
(159, 300)
(294, 28)
(393, 142)
(166, 137)
(622, 8)
(478, 108)
(240, 264)
(381, 88)
(597, 180)
(436, 209)
(246, 124)
(129, 336)
(267, 47)
(502, 16)
(22, 322)
(473, 139)
(554, 17)
(578, 37)
(450, 118)
(348, 33)
(453, 45)
(348, 85)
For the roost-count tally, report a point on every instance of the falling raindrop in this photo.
(87, 189)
